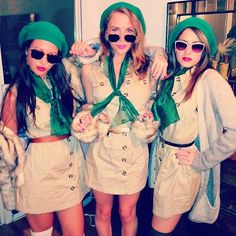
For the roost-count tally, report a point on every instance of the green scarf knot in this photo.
(164, 107)
(117, 93)
(127, 111)
(60, 119)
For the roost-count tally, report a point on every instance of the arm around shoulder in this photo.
(159, 61)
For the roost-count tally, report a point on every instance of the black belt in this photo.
(176, 144)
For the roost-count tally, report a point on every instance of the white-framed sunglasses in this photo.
(181, 46)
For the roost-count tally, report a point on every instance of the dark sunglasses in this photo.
(182, 46)
(130, 38)
(36, 54)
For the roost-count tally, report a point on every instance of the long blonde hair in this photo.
(140, 60)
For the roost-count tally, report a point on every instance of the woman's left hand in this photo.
(159, 67)
(186, 156)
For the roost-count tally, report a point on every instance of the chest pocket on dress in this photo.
(189, 106)
(42, 114)
(101, 88)
(138, 91)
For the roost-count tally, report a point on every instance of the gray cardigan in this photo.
(217, 137)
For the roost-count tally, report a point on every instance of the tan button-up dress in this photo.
(118, 164)
(54, 171)
(176, 185)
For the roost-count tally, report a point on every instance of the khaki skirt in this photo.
(54, 177)
(176, 185)
(117, 164)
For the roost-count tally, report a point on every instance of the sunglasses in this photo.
(182, 46)
(130, 38)
(36, 54)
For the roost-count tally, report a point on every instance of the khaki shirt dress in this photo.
(177, 185)
(54, 171)
(118, 164)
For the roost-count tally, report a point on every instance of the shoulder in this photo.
(213, 84)
(10, 93)
(210, 74)
(213, 79)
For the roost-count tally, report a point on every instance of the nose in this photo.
(44, 60)
(122, 37)
(188, 49)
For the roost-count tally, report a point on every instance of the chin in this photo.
(121, 52)
(186, 64)
(41, 75)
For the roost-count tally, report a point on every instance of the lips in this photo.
(121, 46)
(40, 68)
(187, 59)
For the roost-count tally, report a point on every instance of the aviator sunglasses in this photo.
(182, 46)
(130, 38)
(36, 54)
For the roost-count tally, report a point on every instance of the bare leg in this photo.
(72, 220)
(127, 206)
(165, 225)
(40, 222)
(104, 204)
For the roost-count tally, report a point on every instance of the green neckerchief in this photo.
(60, 119)
(127, 111)
(164, 107)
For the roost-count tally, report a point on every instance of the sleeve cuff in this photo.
(95, 45)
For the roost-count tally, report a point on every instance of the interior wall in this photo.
(14, 14)
(154, 14)
(60, 12)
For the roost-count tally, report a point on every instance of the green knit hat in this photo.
(135, 10)
(46, 31)
(196, 23)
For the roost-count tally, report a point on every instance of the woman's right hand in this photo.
(82, 121)
(82, 49)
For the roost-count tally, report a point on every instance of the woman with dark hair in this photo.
(39, 103)
(197, 130)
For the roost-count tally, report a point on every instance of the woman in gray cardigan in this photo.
(196, 107)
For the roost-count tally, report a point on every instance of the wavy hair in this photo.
(140, 60)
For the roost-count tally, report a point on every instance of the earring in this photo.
(106, 38)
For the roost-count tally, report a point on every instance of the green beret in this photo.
(196, 23)
(46, 31)
(135, 10)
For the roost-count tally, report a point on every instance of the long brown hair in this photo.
(140, 60)
(202, 65)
